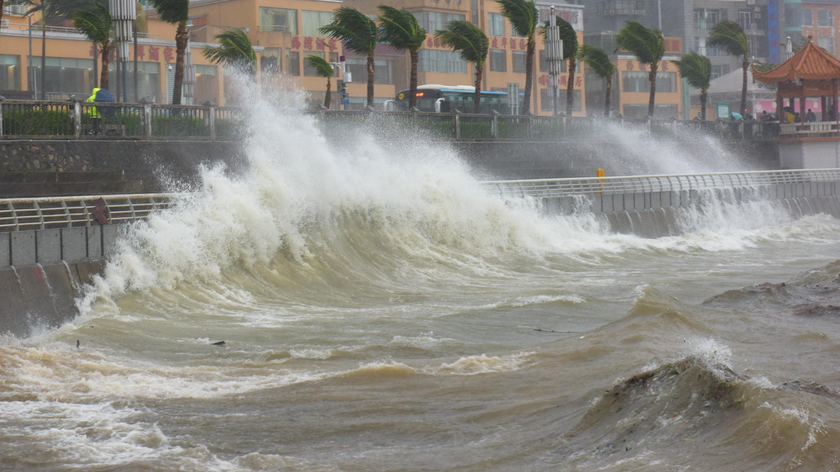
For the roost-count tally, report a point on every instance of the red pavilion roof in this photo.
(809, 63)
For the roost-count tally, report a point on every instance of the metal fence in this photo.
(553, 188)
(19, 214)
(75, 119)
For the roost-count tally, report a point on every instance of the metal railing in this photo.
(18, 214)
(553, 188)
(76, 119)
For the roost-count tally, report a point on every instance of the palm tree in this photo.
(400, 29)
(524, 18)
(730, 37)
(359, 34)
(598, 60)
(176, 12)
(697, 70)
(324, 69)
(234, 50)
(95, 24)
(570, 53)
(648, 46)
(473, 44)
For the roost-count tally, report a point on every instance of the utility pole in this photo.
(341, 85)
(554, 50)
(123, 13)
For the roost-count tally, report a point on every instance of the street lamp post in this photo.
(554, 47)
(123, 13)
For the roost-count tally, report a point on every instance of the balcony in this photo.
(620, 12)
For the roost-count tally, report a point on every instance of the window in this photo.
(432, 21)
(311, 21)
(826, 43)
(383, 70)
(64, 76)
(640, 112)
(825, 18)
(148, 82)
(450, 62)
(278, 19)
(547, 100)
(706, 19)
(270, 61)
(666, 82)
(718, 71)
(498, 60)
(495, 24)
(310, 71)
(292, 62)
(518, 61)
(9, 72)
(745, 19)
(206, 86)
(807, 17)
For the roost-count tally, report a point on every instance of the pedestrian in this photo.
(811, 117)
(95, 117)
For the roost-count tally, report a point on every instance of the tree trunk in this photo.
(477, 96)
(44, 59)
(327, 98)
(703, 96)
(652, 78)
(570, 87)
(529, 75)
(104, 81)
(746, 65)
(412, 87)
(96, 74)
(607, 100)
(370, 71)
(180, 49)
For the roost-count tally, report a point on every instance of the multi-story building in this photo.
(819, 19)
(71, 69)
(285, 32)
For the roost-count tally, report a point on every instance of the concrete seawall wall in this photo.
(42, 272)
(655, 214)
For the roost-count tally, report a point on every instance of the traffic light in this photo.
(342, 90)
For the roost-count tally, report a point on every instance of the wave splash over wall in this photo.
(366, 209)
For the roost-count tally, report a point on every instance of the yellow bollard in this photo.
(600, 173)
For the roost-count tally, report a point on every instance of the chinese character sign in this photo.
(772, 27)
(168, 55)
(154, 53)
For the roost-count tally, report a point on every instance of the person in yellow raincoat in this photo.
(95, 117)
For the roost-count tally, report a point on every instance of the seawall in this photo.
(43, 271)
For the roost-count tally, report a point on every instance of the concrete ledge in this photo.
(23, 250)
(49, 246)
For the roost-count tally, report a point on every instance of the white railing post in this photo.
(210, 118)
(77, 118)
(457, 123)
(1, 115)
(147, 120)
(494, 125)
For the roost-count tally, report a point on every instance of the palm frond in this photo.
(358, 32)
(730, 37)
(696, 69)
(172, 11)
(95, 25)
(234, 49)
(466, 38)
(400, 29)
(523, 16)
(598, 60)
(646, 44)
(322, 67)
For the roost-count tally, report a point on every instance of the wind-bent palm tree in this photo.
(697, 70)
(234, 50)
(400, 29)
(95, 24)
(324, 69)
(730, 37)
(359, 34)
(176, 12)
(524, 18)
(570, 53)
(473, 45)
(648, 46)
(599, 61)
